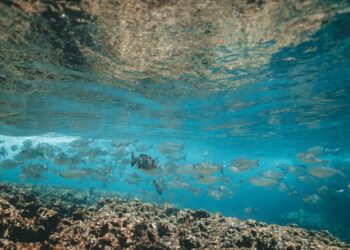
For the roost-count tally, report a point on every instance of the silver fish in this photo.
(313, 199)
(9, 164)
(176, 157)
(121, 153)
(75, 173)
(274, 175)
(79, 143)
(143, 148)
(28, 154)
(261, 181)
(168, 148)
(61, 159)
(122, 143)
(207, 168)
(27, 144)
(243, 164)
(132, 178)
(219, 192)
(3, 152)
(250, 210)
(159, 185)
(323, 172)
(310, 158)
(35, 171)
(14, 148)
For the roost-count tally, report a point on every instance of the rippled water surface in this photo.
(243, 105)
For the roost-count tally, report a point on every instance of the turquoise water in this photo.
(266, 111)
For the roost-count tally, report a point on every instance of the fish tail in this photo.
(133, 159)
(257, 162)
(341, 173)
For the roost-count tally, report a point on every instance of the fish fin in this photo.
(42, 155)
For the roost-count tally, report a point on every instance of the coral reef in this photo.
(54, 218)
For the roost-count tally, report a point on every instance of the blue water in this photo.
(297, 99)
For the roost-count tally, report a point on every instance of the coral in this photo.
(106, 221)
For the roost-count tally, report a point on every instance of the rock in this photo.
(189, 243)
(200, 214)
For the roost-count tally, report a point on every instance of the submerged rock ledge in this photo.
(33, 217)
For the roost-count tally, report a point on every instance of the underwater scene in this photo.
(174, 124)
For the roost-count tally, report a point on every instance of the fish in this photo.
(92, 153)
(205, 154)
(61, 159)
(2, 141)
(122, 143)
(319, 151)
(250, 210)
(9, 164)
(195, 191)
(48, 150)
(323, 172)
(75, 160)
(176, 157)
(3, 152)
(27, 144)
(219, 192)
(307, 179)
(159, 185)
(310, 158)
(206, 180)
(143, 148)
(168, 148)
(28, 154)
(177, 183)
(272, 175)
(207, 168)
(316, 151)
(35, 171)
(75, 173)
(295, 169)
(243, 164)
(14, 148)
(104, 172)
(185, 169)
(124, 161)
(168, 168)
(121, 153)
(312, 199)
(261, 181)
(144, 162)
(132, 178)
(292, 192)
(282, 187)
(80, 143)
(323, 190)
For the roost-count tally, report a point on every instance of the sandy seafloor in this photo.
(38, 217)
